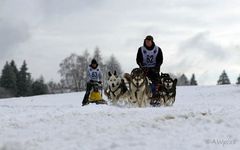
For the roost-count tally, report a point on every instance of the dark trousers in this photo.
(88, 90)
(154, 77)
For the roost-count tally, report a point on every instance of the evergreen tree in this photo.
(238, 80)
(14, 67)
(193, 80)
(39, 87)
(223, 79)
(183, 80)
(8, 79)
(25, 82)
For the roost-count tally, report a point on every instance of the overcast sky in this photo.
(196, 36)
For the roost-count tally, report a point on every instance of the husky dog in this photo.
(138, 87)
(158, 99)
(169, 90)
(164, 75)
(165, 91)
(116, 89)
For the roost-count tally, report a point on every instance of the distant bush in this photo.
(5, 93)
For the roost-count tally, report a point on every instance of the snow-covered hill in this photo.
(203, 117)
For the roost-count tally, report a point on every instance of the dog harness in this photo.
(149, 56)
(122, 89)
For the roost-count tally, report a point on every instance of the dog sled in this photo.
(95, 95)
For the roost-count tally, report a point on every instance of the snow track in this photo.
(203, 117)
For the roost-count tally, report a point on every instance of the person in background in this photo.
(94, 74)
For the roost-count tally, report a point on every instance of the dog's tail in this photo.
(127, 76)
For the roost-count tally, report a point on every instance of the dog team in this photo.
(144, 86)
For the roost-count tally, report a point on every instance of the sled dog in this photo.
(116, 88)
(164, 75)
(169, 90)
(138, 87)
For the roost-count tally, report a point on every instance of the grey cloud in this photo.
(201, 44)
(11, 34)
(199, 52)
(66, 7)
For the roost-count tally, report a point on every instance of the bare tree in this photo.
(113, 65)
(98, 56)
(70, 71)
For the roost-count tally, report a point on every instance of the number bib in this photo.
(149, 56)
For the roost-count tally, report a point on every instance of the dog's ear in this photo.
(109, 74)
(115, 73)
(175, 81)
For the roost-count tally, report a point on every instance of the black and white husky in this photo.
(166, 91)
(169, 90)
(138, 87)
(116, 89)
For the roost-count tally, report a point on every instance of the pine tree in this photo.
(238, 80)
(8, 79)
(223, 79)
(39, 87)
(193, 80)
(25, 82)
(183, 80)
(14, 67)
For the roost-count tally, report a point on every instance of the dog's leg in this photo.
(107, 93)
(162, 101)
(144, 102)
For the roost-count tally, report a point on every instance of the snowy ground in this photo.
(203, 117)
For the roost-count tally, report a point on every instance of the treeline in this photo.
(73, 70)
(223, 79)
(16, 82)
